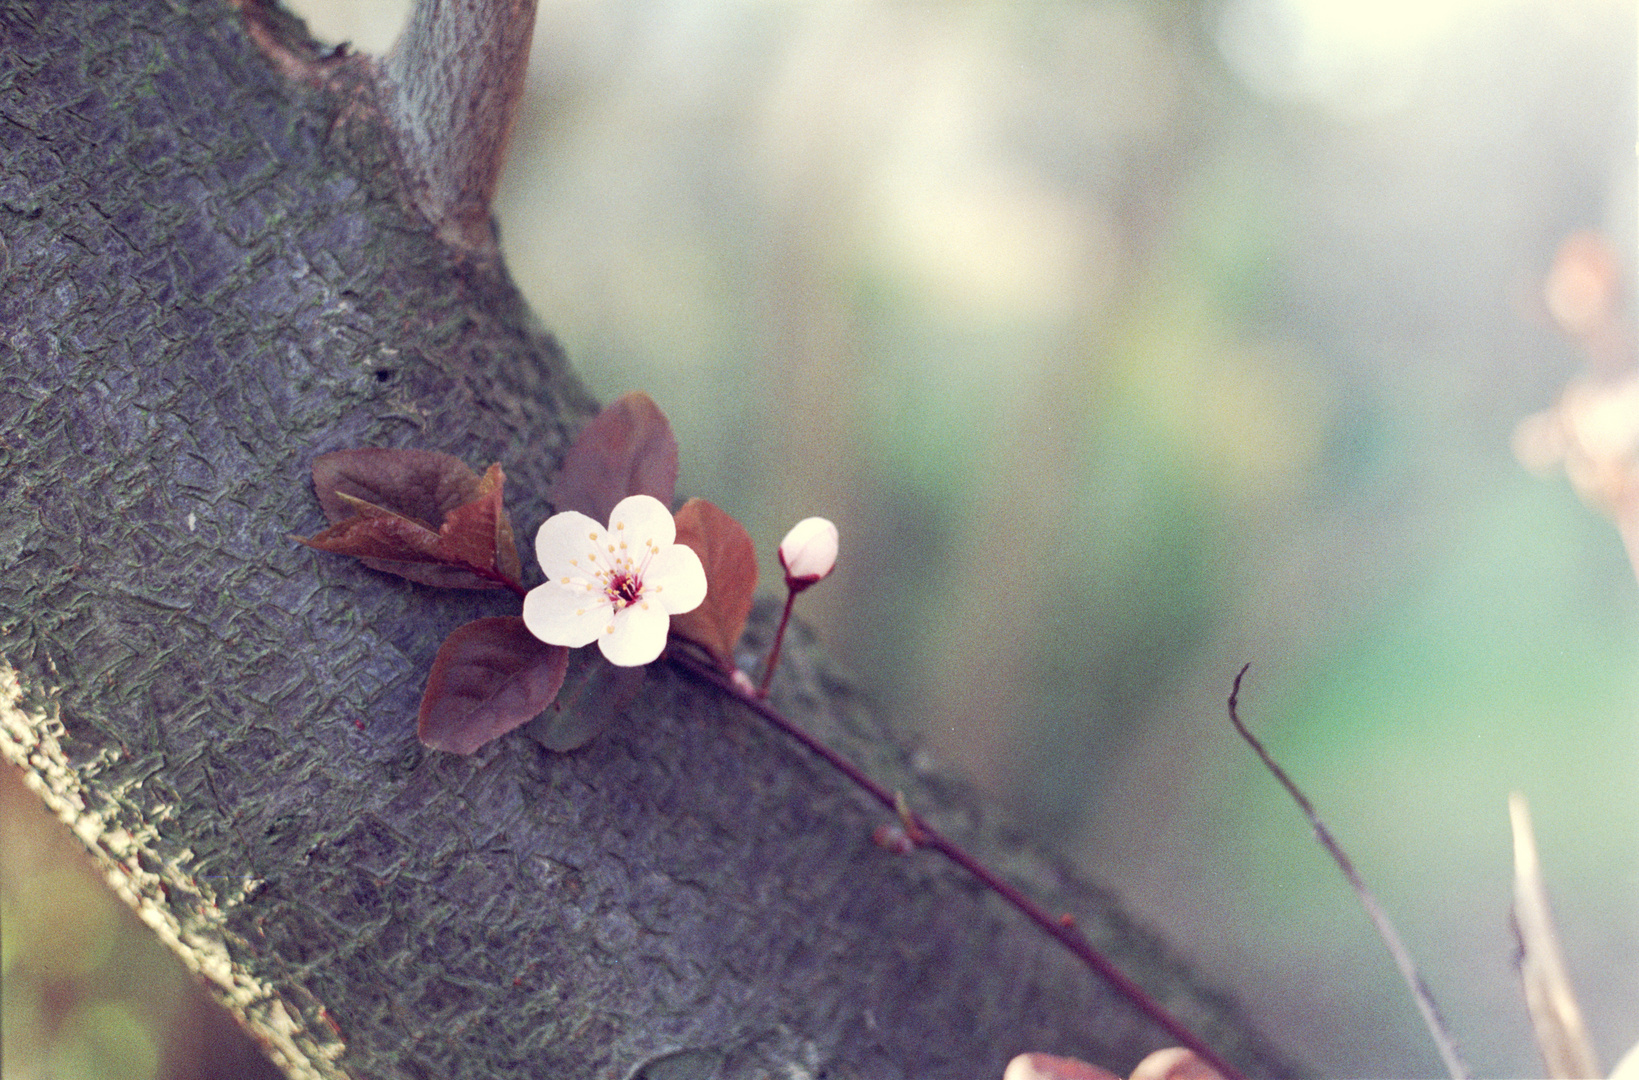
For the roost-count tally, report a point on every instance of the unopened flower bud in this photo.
(808, 552)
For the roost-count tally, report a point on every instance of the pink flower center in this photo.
(624, 589)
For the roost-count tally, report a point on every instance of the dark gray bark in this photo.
(213, 273)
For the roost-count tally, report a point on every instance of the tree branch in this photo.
(452, 85)
(214, 277)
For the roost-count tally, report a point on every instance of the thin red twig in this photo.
(925, 835)
(779, 639)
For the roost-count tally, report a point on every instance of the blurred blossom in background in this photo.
(1126, 342)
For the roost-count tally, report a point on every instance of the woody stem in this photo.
(774, 649)
(1065, 932)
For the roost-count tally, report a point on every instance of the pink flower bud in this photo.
(808, 552)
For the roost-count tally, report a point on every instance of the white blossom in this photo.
(617, 585)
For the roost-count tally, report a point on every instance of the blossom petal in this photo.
(640, 519)
(637, 637)
(809, 550)
(675, 580)
(571, 615)
(564, 539)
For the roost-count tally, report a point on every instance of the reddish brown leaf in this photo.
(397, 545)
(479, 533)
(489, 677)
(362, 508)
(422, 485)
(506, 545)
(627, 449)
(730, 559)
(382, 536)
(382, 504)
(467, 536)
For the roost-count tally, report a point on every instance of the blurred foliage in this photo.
(86, 991)
(1127, 341)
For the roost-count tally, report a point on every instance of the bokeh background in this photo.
(1126, 341)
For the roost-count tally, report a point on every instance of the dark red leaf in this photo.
(730, 559)
(397, 545)
(381, 536)
(422, 485)
(506, 545)
(479, 533)
(382, 504)
(627, 449)
(489, 677)
(439, 575)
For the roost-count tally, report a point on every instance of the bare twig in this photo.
(1549, 998)
(1064, 930)
(1380, 920)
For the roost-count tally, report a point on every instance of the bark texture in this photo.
(212, 274)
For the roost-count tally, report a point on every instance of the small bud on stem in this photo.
(807, 555)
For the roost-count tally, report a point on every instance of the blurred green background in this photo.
(1128, 342)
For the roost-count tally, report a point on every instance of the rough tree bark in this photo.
(215, 271)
